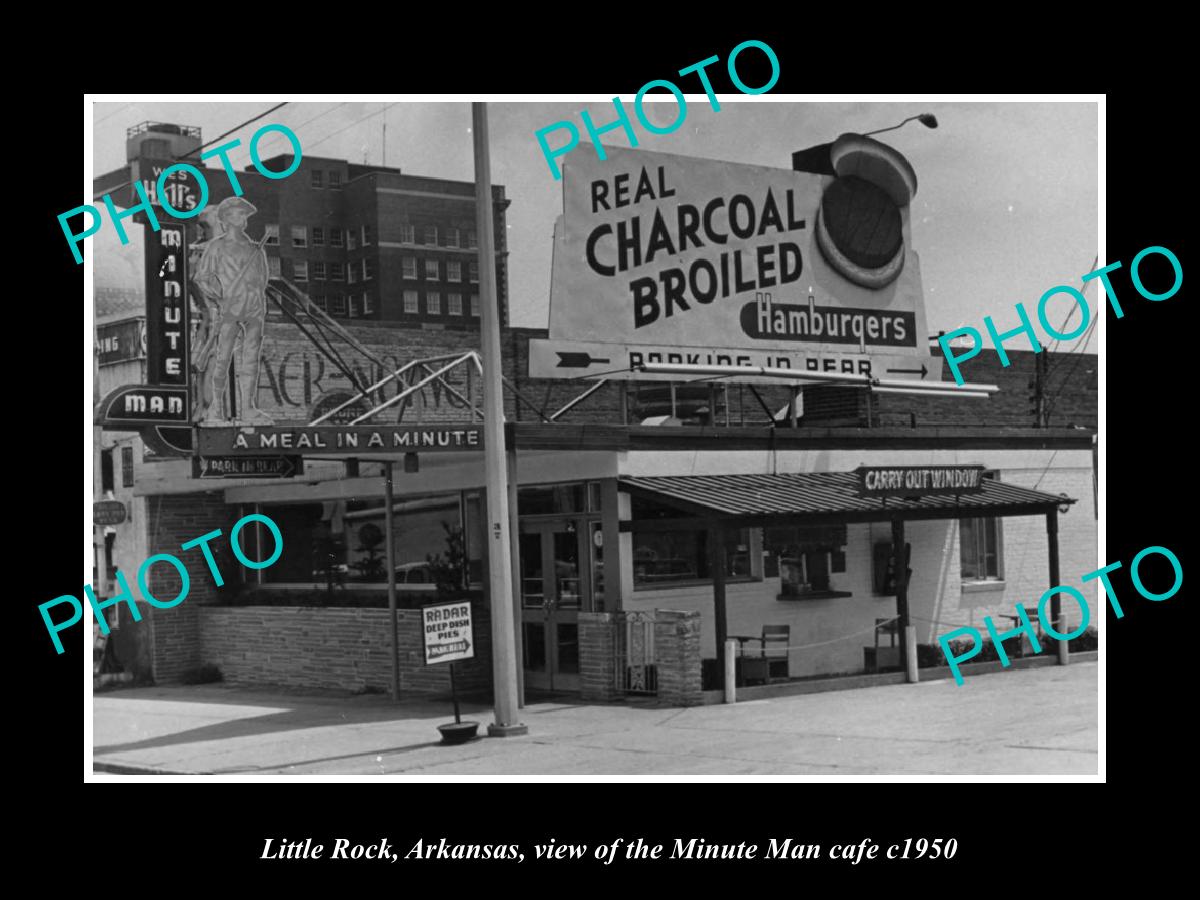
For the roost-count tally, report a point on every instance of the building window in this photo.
(367, 308)
(406, 235)
(980, 542)
(107, 481)
(471, 244)
(451, 237)
(273, 267)
(411, 303)
(473, 271)
(300, 270)
(351, 238)
(353, 306)
(454, 270)
(433, 303)
(475, 305)
(335, 181)
(368, 235)
(336, 238)
(368, 268)
(337, 305)
(454, 304)
(299, 236)
(318, 271)
(318, 180)
(127, 466)
(431, 269)
(408, 266)
(318, 236)
(805, 558)
(431, 235)
(337, 271)
(352, 273)
(664, 558)
(272, 234)
(318, 301)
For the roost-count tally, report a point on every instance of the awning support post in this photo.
(716, 563)
(901, 588)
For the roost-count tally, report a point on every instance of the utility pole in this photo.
(500, 582)
(1041, 367)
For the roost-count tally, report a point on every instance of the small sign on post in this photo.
(449, 636)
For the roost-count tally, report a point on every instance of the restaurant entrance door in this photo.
(555, 587)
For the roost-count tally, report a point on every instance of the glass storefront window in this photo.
(680, 557)
(344, 541)
(551, 499)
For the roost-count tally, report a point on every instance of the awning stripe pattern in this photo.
(822, 492)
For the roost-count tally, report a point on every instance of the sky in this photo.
(1006, 206)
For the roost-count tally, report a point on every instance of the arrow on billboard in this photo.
(921, 371)
(577, 360)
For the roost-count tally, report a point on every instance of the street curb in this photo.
(128, 769)
(857, 682)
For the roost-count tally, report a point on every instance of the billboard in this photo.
(673, 259)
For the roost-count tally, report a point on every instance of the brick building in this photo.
(369, 243)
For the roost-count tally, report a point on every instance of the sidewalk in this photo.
(1036, 721)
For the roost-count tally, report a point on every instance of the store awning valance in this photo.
(829, 495)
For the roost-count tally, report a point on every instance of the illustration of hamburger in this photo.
(859, 228)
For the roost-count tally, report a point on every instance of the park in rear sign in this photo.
(672, 259)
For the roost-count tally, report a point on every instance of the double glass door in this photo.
(556, 584)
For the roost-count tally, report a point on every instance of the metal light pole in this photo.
(504, 655)
(389, 532)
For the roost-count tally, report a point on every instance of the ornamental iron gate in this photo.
(635, 670)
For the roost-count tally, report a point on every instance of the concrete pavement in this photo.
(1035, 721)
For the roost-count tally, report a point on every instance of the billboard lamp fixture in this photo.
(929, 120)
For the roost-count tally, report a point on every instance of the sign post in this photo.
(448, 636)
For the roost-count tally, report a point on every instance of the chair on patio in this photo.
(1024, 646)
(877, 658)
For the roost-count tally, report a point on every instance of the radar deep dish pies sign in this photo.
(664, 258)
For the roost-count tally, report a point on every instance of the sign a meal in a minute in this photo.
(663, 258)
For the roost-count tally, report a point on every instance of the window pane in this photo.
(967, 554)
(669, 556)
(557, 498)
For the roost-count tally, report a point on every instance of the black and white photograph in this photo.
(703, 434)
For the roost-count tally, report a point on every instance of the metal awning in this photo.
(830, 496)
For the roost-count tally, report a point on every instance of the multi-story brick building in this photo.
(369, 243)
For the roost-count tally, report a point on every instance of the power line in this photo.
(1075, 365)
(352, 124)
(111, 114)
(202, 146)
(307, 121)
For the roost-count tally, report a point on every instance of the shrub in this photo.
(205, 674)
